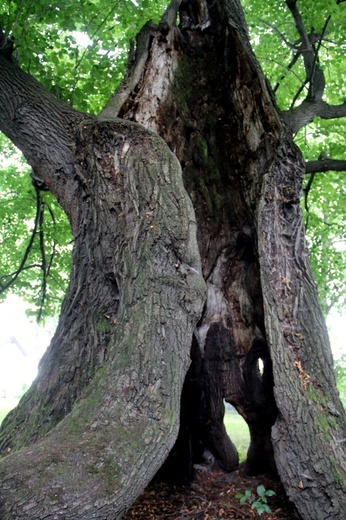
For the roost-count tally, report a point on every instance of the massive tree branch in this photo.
(135, 295)
(325, 165)
(38, 124)
(289, 289)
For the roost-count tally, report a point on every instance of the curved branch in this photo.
(25, 268)
(306, 196)
(289, 68)
(53, 252)
(297, 94)
(46, 265)
(43, 259)
(38, 123)
(281, 35)
(317, 75)
(314, 75)
(313, 105)
(298, 117)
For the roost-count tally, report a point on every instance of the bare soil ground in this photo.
(211, 496)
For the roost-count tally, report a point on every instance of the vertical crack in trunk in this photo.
(222, 123)
(210, 107)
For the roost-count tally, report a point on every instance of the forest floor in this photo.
(211, 496)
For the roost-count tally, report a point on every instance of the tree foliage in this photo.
(35, 238)
(79, 51)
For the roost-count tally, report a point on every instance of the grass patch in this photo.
(238, 432)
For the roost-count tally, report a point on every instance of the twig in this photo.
(43, 259)
(306, 195)
(4, 287)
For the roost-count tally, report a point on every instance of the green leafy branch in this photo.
(45, 266)
(13, 276)
(259, 502)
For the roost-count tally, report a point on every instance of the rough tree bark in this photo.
(108, 393)
(117, 362)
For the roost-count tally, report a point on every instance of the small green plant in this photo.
(259, 502)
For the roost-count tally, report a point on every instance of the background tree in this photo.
(109, 386)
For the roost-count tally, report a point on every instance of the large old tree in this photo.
(189, 269)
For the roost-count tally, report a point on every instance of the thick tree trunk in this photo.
(204, 109)
(244, 176)
(117, 364)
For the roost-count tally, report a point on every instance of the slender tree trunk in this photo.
(117, 364)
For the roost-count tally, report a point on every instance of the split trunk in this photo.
(147, 292)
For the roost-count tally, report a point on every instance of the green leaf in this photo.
(261, 508)
(270, 493)
(261, 490)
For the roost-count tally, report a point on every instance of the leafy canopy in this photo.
(78, 50)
